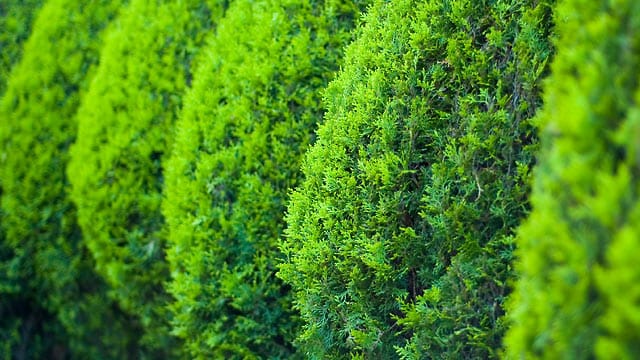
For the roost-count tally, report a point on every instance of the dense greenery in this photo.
(125, 127)
(51, 303)
(402, 230)
(321, 179)
(578, 295)
(16, 17)
(15, 21)
(245, 125)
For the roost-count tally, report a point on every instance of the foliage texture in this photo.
(125, 127)
(50, 298)
(15, 25)
(578, 294)
(245, 124)
(400, 238)
(16, 17)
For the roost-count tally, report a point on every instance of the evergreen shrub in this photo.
(578, 292)
(52, 303)
(125, 131)
(400, 238)
(246, 122)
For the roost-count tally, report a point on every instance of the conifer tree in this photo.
(52, 305)
(399, 240)
(578, 292)
(125, 131)
(246, 122)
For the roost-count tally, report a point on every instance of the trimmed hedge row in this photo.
(213, 222)
(578, 293)
(125, 133)
(245, 125)
(52, 303)
(400, 238)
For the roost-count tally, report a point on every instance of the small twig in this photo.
(475, 174)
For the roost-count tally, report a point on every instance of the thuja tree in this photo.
(578, 295)
(125, 128)
(399, 240)
(239, 141)
(16, 17)
(50, 299)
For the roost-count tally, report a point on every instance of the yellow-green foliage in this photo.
(399, 240)
(16, 17)
(578, 296)
(125, 130)
(245, 125)
(49, 293)
(203, 230)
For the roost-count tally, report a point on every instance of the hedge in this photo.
(125, 131)
(399, 240)
(51, 303)
(244, 127)
(578, 292)
(16, 17)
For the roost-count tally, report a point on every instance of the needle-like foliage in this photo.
(399, 241)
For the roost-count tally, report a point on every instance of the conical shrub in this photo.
(399, 240)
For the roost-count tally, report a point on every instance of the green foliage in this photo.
(239, 142)
(16, 17)
(578, 296)
(399, 240)
(16, 314)
(52, 305)
(125, 127)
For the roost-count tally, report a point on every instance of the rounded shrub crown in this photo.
(125, 127)
(399, 240)
(52, 284)
(245, 124)
(578, 294)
